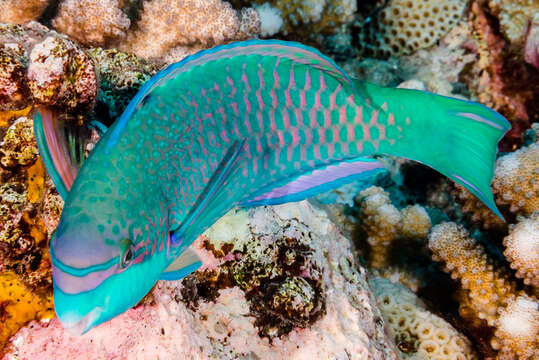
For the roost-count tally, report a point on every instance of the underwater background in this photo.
(407, 265)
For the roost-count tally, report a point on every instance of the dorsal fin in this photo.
(286, 51)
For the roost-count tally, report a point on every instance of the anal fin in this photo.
(319, 180)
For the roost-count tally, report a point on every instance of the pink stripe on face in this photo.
(307, 81)
(74, 284)
(480, 119)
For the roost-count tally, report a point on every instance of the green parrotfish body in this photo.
(246, 124)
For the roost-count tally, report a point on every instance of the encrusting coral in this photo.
(18, 148)
(21, 11)
(166, 24)
(404, 26)
(92, 22)
(418, 333)
(383, 223)
(522, 250)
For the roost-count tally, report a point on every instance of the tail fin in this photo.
(455, 137)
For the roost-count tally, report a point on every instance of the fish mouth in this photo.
(81, 326)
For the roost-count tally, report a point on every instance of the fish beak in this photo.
(79, 327)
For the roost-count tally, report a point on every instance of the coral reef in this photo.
(18, 148)
(92, 22)
(404, 26)
(223, 325)
(13, 90)
(418, 333)
(166, 24)
(522, 250)
(21, 12)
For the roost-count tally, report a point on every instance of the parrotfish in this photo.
(251, 123)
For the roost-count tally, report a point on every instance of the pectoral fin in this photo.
(184, 264)
(61, 146)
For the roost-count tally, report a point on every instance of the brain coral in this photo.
(418, 333)
(405, 26)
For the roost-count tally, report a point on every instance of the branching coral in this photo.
(92, 22)
(489, 287)
(21, 12)
(517, 330)
(383, 223)
(405, 26)
(418, 333)
(522, 250)
(165, 24)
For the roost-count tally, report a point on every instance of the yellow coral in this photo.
(418, 333)
(405, 26)
(18, 305)
(522, 250)
(384, 223)
(36, 181)
(489, 289)
(21, 12)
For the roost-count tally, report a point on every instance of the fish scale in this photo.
(249, 123)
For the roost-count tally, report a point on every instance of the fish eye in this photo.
(126, 258)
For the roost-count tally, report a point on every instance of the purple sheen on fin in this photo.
(479, 118)
(319, 177)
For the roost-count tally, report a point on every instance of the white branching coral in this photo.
(167, 24)
(522, 250)
(517, 330)
(92, 22)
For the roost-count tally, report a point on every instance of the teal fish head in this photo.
(97, 277)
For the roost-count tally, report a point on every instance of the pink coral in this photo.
(92, 22)
(531, 49)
